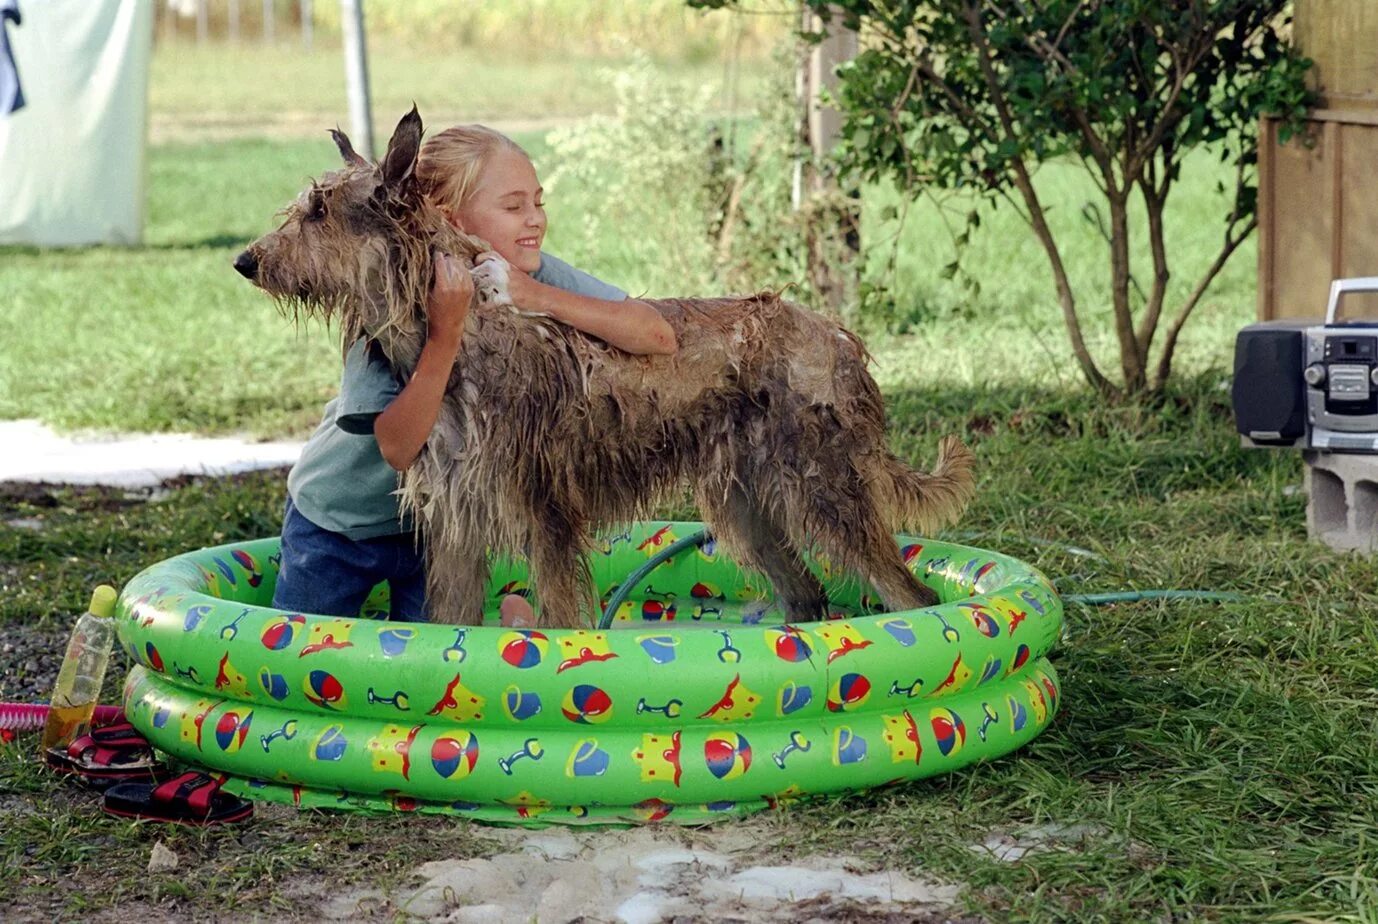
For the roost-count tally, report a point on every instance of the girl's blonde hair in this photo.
(451, 161)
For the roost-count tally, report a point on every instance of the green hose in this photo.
(1134, 596)
(699, 539)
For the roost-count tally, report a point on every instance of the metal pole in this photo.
(307, 25)
(269, 23)
(203, 25)
(356, 75)
(234, 21)
(833, 274)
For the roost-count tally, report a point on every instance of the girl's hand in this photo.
(448, 305)
(501, 283)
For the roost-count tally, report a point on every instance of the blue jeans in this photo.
(329, 574)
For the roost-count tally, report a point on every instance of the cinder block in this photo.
(1342, 499)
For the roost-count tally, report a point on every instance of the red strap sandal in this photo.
(107, 755)
(193, 798)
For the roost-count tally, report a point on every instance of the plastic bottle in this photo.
(82, 673)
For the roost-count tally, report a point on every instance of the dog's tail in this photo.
(927, 501)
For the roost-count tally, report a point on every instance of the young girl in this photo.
(343, 532)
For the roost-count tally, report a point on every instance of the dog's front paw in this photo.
(491, 278)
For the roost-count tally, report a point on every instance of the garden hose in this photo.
(696, 541)
(699, 539)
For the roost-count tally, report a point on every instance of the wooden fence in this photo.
(235, 20)
(1318, 215)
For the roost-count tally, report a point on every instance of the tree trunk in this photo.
(832, 229)
(1131, 362)
(1148, 324)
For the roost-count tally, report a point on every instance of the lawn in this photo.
(1210, 762)
(167, 337)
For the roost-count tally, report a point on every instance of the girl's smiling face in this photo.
(507, 209)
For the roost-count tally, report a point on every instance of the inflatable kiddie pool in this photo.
(699, 702)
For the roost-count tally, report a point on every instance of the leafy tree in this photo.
(974, 94)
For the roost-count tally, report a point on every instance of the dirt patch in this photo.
(1011, 847)
(30, 656)
(644, 875)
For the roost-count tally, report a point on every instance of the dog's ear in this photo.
(351, 159)
(400, 160)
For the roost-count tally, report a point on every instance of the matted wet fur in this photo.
(546, 434)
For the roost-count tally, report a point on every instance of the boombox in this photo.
(1308, 385)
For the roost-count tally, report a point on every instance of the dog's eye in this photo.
(315, 206)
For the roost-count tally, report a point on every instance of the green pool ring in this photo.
(699, 702)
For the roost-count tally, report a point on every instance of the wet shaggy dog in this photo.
(546, 434)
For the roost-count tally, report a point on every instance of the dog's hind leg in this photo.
(560, 575)
(750, 534)
(458, 583)
(864, 545)
(561, 583)
(897, 586)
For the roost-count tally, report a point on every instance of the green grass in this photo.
(1224, 757)
(168, 337)
(165, 337)
(219, 89)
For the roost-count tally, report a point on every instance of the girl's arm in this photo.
(629, 325)
(405, 424)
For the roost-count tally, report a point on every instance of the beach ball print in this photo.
(275, 685)
(983, 621)
(727, 754)
(524, 648)
(231, 730)
(1051, 689)
(325, 690)
(657, 611)
(849, 692)
(587, 759)
(250, 566)
(587, 705)
(520, 705)
(790, 643)
(455, 755)
(1021, 657)
(281, 632)
(332, 744)
(949, 729)
(705, 591)
(152, 658)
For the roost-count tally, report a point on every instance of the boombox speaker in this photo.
(1269, 393)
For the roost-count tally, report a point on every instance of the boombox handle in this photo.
(1341, 286)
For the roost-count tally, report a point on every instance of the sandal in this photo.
(193, 798)
(109, 754)
(121, 735)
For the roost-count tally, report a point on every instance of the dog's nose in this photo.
(247, 265)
